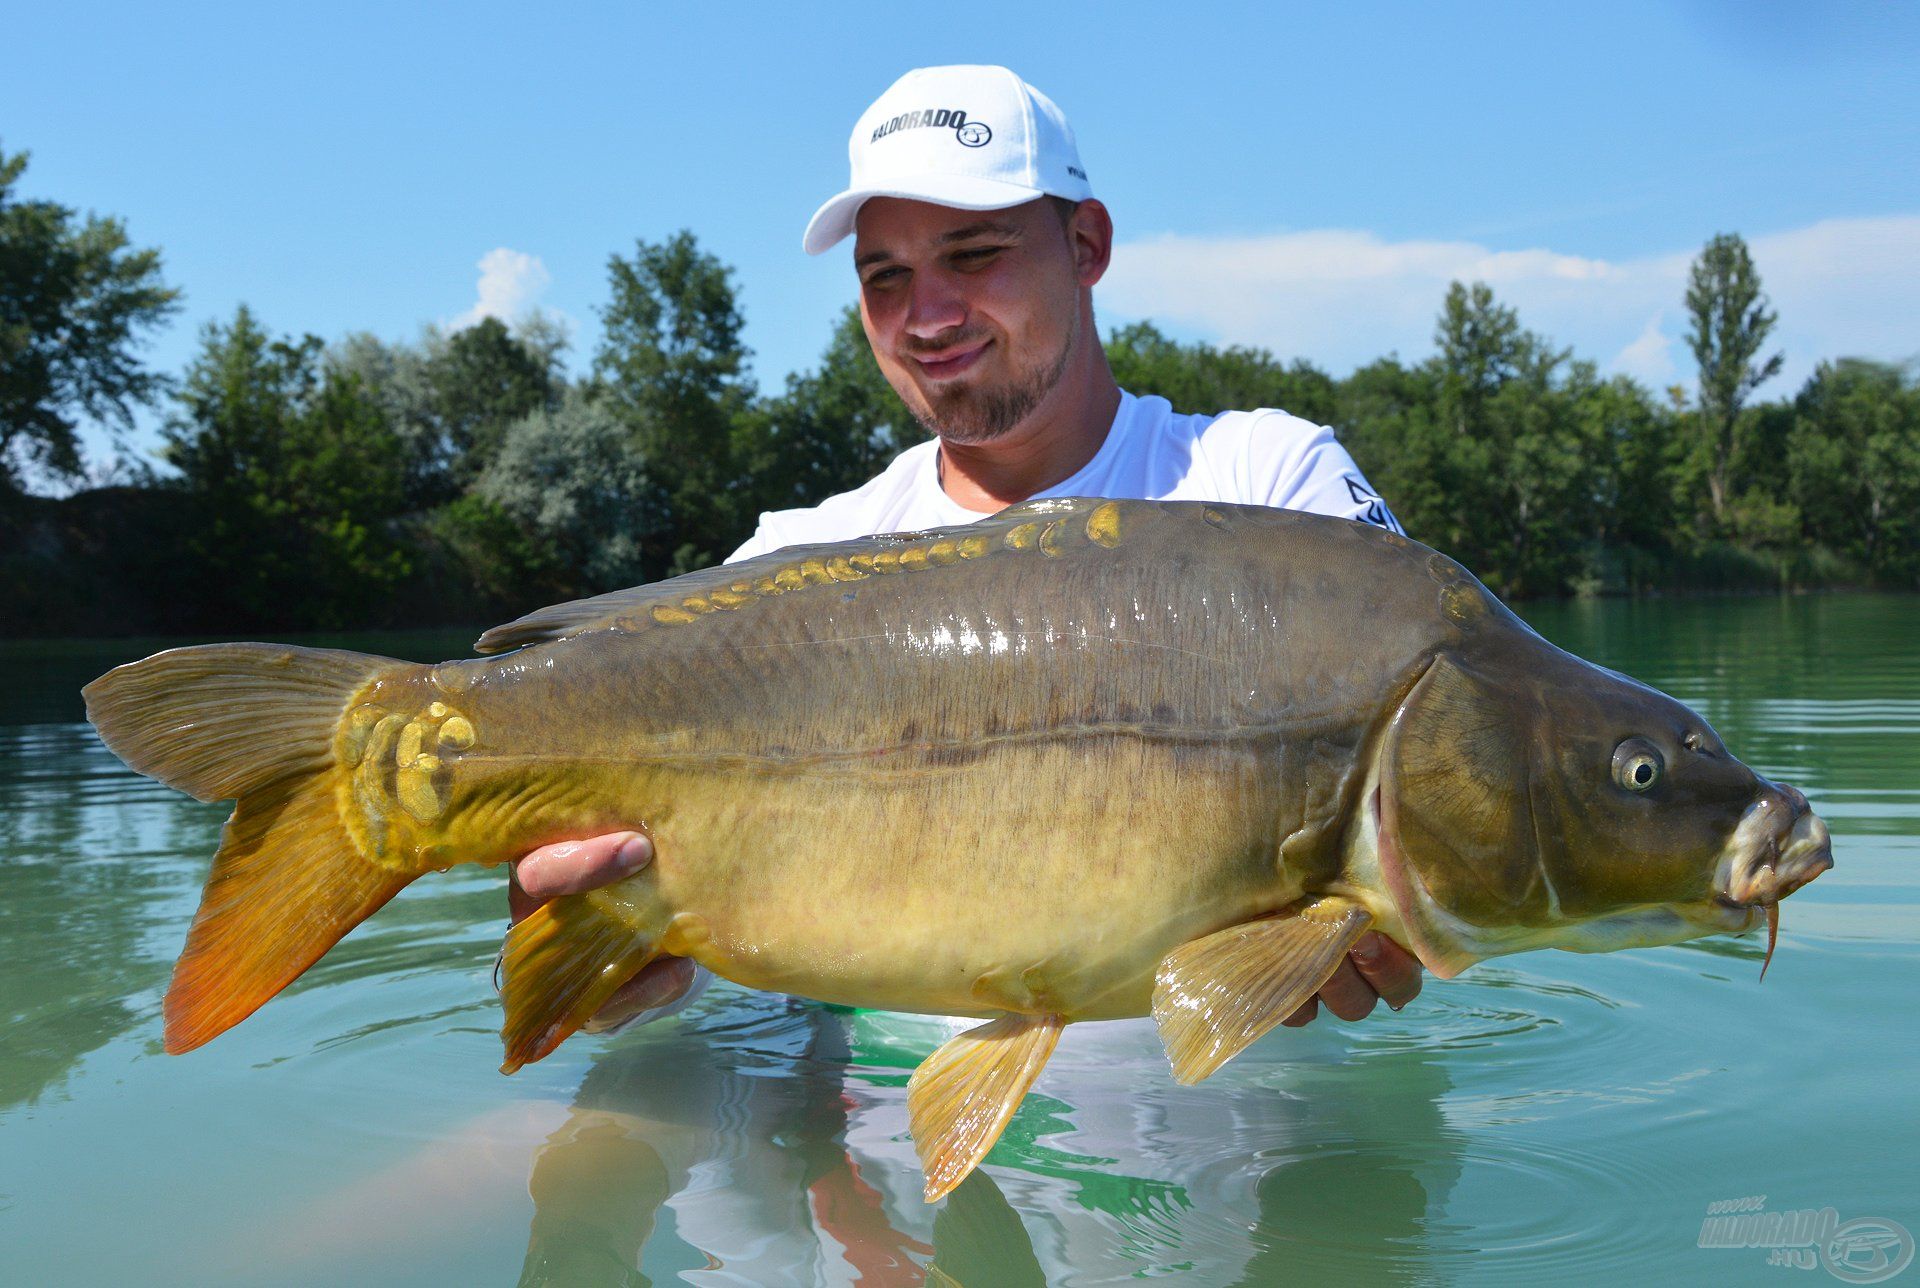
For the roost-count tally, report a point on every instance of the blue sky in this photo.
(1308, 180)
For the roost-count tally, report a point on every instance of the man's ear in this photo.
(1090, 234)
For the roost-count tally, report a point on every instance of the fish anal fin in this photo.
(1215, 995)
(961, 1097)
(560, 965)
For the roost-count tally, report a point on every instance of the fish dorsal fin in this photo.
(960, 1098)
(616, 610)
(685, 598)
(1043, 525)
(1213, 996)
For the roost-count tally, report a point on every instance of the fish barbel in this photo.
(1084, 760)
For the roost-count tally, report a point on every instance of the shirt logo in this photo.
(1373, 509)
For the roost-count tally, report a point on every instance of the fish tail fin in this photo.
(561, 965)
(254, 723)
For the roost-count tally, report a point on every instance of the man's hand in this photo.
(1377, 970)
(570, 867)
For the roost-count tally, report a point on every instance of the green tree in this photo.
(1637, 438)
(576, 484)
(1505, 464)
(1201, 378)
(295, 476)
(672, 368)
(76, 299)
(1854, 461)
(1730, 325)
(482, 380)
(1481, 348)
(451, 396)
(394, 377)
(1386, 414)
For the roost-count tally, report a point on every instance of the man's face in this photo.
(972, 314)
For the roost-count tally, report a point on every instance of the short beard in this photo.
(970, 418)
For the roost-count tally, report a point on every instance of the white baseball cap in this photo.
(975, 138)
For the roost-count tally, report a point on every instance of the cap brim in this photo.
(834, 221)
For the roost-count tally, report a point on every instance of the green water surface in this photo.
(1549, 1117)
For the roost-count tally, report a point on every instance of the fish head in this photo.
(1529, 799)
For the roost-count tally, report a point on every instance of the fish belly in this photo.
(1047, 877)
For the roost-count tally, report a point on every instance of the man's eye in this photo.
(883, 276)
(977, 255)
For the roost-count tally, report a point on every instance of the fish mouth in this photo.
(1779, 846)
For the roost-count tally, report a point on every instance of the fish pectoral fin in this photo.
(1213, 996)
(960, 1098)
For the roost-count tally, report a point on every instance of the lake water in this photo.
(1545, 1117)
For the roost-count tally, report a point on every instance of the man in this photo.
(978, 242)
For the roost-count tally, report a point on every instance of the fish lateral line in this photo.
(1026, 641)
(857, 758)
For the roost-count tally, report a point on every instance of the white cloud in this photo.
(510, 285)
(1649, 358)
(1842, 287)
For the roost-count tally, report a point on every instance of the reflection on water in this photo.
(738, 1123)
(95, 882)
(1545, 1116)
(764, 1142)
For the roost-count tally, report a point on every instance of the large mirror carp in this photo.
(1080, 761)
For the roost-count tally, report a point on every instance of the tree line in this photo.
(467, 476)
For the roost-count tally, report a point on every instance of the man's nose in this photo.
(934, 304)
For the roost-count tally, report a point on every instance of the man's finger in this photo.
(1347, 995)
(519, 902)
(660, 983)
(1305, 1015)
(1393, 972)
(570, 867)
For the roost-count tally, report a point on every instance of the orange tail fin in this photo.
(254, 723)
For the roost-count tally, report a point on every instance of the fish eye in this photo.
(1637, 765)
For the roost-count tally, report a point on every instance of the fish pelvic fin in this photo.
(255, 723)
(962, 1096)
(560, 965)
(1214, 996)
